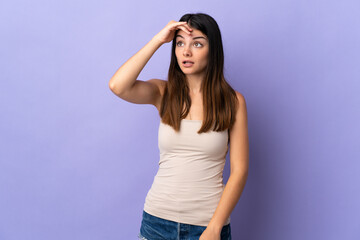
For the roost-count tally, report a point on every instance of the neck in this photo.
(194, 82)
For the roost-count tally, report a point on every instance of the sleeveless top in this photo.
(189, 182)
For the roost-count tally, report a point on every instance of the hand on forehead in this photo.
(194, 34)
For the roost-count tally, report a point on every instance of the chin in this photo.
(188, 71)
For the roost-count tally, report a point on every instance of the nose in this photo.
(187, 52)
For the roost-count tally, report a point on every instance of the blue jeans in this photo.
(154, 228)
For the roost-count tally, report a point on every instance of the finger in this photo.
(181, 25)
(184, 29)
(175, 25)
(186, 25)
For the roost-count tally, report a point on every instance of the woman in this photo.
(200, 115)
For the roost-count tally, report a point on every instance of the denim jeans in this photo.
(155, 228)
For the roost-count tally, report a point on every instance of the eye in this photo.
(179, 43)
(197, 44)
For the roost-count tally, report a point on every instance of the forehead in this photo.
(194, 33)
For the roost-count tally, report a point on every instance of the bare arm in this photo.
(239, 165)
(124, 82)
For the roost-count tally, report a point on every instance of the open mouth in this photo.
(187, 63)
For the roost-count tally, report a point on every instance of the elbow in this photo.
(111, 85)
(114, 89)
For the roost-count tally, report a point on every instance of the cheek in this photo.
(177, 51)
(177, 55)
(204, 56)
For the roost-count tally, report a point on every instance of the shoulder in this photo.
(241, 100)
(241, 112)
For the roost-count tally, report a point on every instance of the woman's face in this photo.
(192, 52)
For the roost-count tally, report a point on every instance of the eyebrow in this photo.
(193, 37)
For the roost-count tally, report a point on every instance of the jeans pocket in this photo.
(151, 230)
(154, 228)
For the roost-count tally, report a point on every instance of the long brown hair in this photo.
(219, 98)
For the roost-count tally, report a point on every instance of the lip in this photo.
(187, 63)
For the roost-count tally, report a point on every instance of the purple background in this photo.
(76, 161)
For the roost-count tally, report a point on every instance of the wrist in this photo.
(214, 227)
(157, 41)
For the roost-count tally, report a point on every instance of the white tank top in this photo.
(189, 182)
